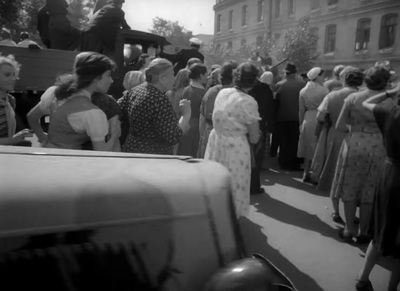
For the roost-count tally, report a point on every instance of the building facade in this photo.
(357, 32)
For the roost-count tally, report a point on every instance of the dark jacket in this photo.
(43, 19)
(262, 93)
(106, 23)
(181, 58)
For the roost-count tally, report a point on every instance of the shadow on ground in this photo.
(272, 174)
(259, 244)
(288, 214)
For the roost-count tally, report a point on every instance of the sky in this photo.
(194, 15)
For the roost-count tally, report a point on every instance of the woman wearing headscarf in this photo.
(386, 216)
(328, 113)
(207, 104)
(153, 125)
(189, 144)
(236, 127)
(9, 69)
(78, 121)
(310, 98)
(360, 156)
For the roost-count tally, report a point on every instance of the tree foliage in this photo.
(176, 34)
(299, 45)
(21, 15)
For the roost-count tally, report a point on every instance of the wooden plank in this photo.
(40, 67)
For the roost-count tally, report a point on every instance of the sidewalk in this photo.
(292, 226)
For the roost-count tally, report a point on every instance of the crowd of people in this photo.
(343, 133)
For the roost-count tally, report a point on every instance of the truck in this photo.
(40, 68)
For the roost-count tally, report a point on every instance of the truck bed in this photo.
(40, 67)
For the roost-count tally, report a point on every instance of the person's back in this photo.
(359, 117)
(336, 100)
(106, 23)
(287, 98)
(184, 56)
(333, 84)
(195, 95)
(61, 132)
(263, 95)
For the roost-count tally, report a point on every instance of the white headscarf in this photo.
(267, 78)
(133, 79)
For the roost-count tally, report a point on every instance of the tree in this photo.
(80, 12)
(299, 45)
(22, 15)
(176, 34)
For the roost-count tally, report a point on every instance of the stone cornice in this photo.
(225, 4)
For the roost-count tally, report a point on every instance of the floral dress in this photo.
(153, 125)
(228, 145)
(361, 154)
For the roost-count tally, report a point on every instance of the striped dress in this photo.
(3, 118)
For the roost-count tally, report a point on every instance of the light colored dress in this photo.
(310, 98)
(361, 154)
(330, 108)
(228, 145)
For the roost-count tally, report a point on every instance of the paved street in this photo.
(292, 226)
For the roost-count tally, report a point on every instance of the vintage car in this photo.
(85, 220)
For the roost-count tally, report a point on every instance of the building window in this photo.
(229, 46)
(244, 15)
(218, 22)
(388, 31)
(291, 7)
(363, 31)
(332, 2)
(260, 10)
(230, 23)
(314, 4)
(259, 41)
(243, 43)
(330, 38)
(277, 8)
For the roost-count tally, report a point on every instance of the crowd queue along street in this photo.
(263, 156)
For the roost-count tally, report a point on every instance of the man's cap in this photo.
(290, 68)
(195, 41)
(314, 73)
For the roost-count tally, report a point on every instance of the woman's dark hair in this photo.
(353, 77)
(246, 75)
(88, 67)
(227, 70)
(377, 78)
(196, 70)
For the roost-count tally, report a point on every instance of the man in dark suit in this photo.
(104, 27)
(287, 103)
(43, 19)
(262, 93)
(181, 58)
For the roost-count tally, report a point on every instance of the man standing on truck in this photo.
(43, 19)
(104, 26)
(6, 38)
(63, 35)
(181, 58)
